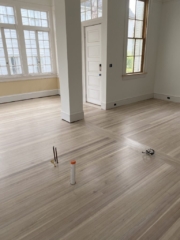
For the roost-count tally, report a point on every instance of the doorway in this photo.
(93, 64)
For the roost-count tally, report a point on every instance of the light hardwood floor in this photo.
(120, 193)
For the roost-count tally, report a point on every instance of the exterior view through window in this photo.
(37, 42)
(10, 62)
(91, 9)
(137, 28)
(33, 34)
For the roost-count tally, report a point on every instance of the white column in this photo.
(68, 38)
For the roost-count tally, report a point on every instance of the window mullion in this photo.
(21, 42)
(38, 50)
(5, 51)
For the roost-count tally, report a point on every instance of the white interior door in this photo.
(93, 64)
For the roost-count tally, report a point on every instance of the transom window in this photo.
(137, 24)
(7, 15)
(91, 9)
(34, 18)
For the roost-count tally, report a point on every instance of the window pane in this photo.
(31, 51)
(99, 8)
(88, 15)
(139, 29)
(25, 21)
(129, 64)
(83, 17)
(131, 28)
(3, 66)
(137, 64)
(83, 6)
(44, 47)
(140, 10)
(24, 12)
(94, 9)
(130, 48)
(7, 15)
(34, 18)
(138, 48)
(11, 20)
(13, 51)
(132, 8)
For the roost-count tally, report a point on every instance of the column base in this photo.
(72, 117)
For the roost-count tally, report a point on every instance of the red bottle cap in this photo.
(73, 162)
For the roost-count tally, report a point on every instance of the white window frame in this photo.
(21, 41)
(9, 26)
(140, 74)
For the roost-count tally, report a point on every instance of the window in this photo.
(31, 51)
(34, 18)
(91, 9)
(44, 49)
(137, 24)
(25, 46)
(3, 65)
(13, 51)
(10, 62)
(39, 60)
(37, 42)
(7, 15)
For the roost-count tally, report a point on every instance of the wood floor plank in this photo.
(120, 192)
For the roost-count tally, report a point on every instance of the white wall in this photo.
(167, 80)
(122, 90)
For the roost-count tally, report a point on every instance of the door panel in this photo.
(93, 61)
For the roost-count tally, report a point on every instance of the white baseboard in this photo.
(72, 117)
(25, 96)
(165, 97)
(126, 101)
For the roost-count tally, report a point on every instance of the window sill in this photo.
(134, 76)
(28, 77)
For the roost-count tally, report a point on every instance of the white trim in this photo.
(165, 96)
(72, 117)
(134, 76)
(25, 96)
(106, 106)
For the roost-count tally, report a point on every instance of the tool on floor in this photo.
(73, 173)
(55, 155)
(150, 152)
(55, 160)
